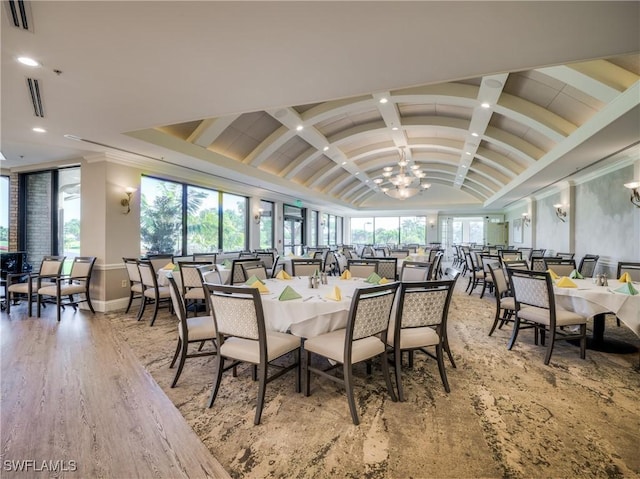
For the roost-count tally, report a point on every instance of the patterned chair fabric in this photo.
(50, 268)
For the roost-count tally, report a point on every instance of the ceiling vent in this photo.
(36, 99)
(19, 12)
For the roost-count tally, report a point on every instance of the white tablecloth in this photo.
(589, 299)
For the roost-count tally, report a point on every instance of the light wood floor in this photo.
(73, 391)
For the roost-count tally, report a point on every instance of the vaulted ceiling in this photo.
(314, 99)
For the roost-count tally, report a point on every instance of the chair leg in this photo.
(175, 355)
(552, 338)
(445, 344)
(348, 384)
(262, 387)
(307, 372)
(183, 357)
(495, 321)
(514, 333)
(484, 287)
(583, 341)
(387, 377)
(443, 372)
(155, 311)
(89, 303)
(143, 306)
(218, 380)
(58, 306)
(130, 301)
(397, 355)
(297, 359)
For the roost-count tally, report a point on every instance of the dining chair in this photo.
(420, 322)
(77, 282)
(560, 266)
(257, 270)
(436, 270)
(415, 271)
(198, 329)
(510, 255)
(539, 252)
(243, 338)
(192, 279)
(237, 271)
(159, 261)
(209, 257)
(476, 273)
(152, 293)
(330, 262)
(363, 339)
(50, 268)
(628, 267)
(536, 307)
(518, 264)
(565, 255)
(305, 267)
(537, 263)
(588, 265)
(489, 260)
(387, 268)
(268, 259)
(135, 283)
(451, 273)
(362, 268)
(505, 304)
(399, 253)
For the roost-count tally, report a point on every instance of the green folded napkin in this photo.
(575, 275)
(226, 263)
(176, 268)
(253, 279)
(373, 278)
(288, 293)
(627, 288)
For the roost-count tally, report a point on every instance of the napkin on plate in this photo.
(625, 278)
(373, 278)
(288, 293)
(553, 274)
(346, 274)
(383, 281)
(253, 279)
(260, 286)
(565, 282)
(627, 288)
(282, 274)
(169, 266)
(575, 274)
(335, 295)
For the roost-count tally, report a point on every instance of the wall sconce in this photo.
(258, 216)
(432, 224)
(560, 213)
(635, 194)
(126, 202)
(526, 219)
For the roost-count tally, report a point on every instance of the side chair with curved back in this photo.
(588, 265)
(135, 283)
(505, 304)
(305, 267)
(191, 275)
(77, 282)
(415, 271)
(50, 268)
(237, 270)
(560, 266)
(362, 268)
(152, 293)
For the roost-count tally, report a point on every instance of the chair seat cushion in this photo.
(65, 289)
(194, 293)
(163, 292)
(200, 327)
(411, 338)
(508, 303)
(542, 316)
(331, 345)
(136, 288)
(248, 350)
(22, 287)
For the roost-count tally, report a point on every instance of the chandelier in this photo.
(403, 183)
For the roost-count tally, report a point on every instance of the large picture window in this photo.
(267, 214)
(391, 230)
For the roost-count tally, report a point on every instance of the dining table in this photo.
(589, 299)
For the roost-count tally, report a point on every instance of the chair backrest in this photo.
(257, 270)
(588, 265)
(237, 311)
(267, 259)
(305, 267)
(525, 252)
(210, 257)
(182, 259)
(500, 282)
(435, 270)
(432, 254)
(537, 263)
(379, 252)
(387, 268)
(148, 276)
(632, 268)
(508, 255)
(367, 251)
(565, 255)
(451, 273)
(178, 307)
(362, 268)
(246, 254)
(369, 313)
(237, 272)
(415, 271)
(471, 264)
(131, 264)
(159, 260)
(537, 252)
(490, 260)
(532, 288)
(423, 304)
(51, 265)
(191, 274)
(81, 269)
(330, 262)
(520, 264)
(562, 267)
(399, 253)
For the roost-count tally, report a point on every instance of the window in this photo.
(293, 229)
(69, 213)
(4, 213)
(467, 230)
(267, 215)
(386, 231)
(202, 220)
(313, 230)
(161, 217)
(234, 222)
(412, 229)
(362, 230)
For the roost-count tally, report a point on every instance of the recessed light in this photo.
(299, 128)
(30, 62)
(467, 153)
(325, 148)
(485, 105)
(39, 130)
(464, 166)
(474, 134)
(344, 163)
(383, 100)
(357, 173)
(377, 181)
(395, 128)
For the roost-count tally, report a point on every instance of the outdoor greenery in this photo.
(411, 230)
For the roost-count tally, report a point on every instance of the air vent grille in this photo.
(36, 99)
(20, 13)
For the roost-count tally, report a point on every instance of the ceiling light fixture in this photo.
(30, 62)
(325, 148)
(299, 128)
(474, 134)
(383, 100)
(37, 129)
(403, 183)
(485, 105)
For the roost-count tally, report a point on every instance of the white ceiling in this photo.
(221, 86)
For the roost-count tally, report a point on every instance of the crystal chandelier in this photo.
(403, 183)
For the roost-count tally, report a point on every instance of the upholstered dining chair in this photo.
(135, 283)
(197, 329)
(191, 275)
(560, 266)
(305, 267)
(364, 338)
(243, 337)
(628, 267)
(487, 260)
(159, 260)
(77, 282)
(257, 270)
(362, 268)
(510, 255)
(537, 263)
(50, 268)
(505, 304)
(268, 259)
(387, 268)
(518, 264)
(565, 255)
(152, 293)
(415, 271)
(476, 273)
(237, 270)
(209, 257)
(588, 265)
(436, 270)
(536, 307)
(420, 322)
